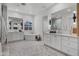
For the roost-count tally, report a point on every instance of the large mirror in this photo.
(62, 21)
(55, 24)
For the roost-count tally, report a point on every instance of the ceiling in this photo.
(29, 7)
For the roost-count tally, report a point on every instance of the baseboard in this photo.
(56, 49)
(14, 41)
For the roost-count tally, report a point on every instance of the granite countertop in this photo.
(63, 34)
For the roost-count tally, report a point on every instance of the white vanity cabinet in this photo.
(53, 40)
(56, 41)
(63, 43)
(69, 45)
(47, 38)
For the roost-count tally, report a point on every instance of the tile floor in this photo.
(28, 48)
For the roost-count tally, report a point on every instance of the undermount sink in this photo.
(52, 31)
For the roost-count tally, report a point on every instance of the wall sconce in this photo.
(74, 16)
(49, 22)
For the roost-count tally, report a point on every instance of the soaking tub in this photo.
(30, 37)
(14, 36)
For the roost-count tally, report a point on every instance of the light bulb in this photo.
(74, 11)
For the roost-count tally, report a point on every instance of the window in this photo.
(28, 25)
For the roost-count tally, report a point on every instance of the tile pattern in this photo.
(28, 48)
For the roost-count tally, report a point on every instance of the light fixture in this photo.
(74, 15)
(23, 4)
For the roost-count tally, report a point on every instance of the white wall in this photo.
(57, 8)
(45, 23)
(4, 22)
(38, 24)
(0, 9)
(0, 32)
(0, 20)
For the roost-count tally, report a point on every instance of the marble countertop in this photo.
(63, 34)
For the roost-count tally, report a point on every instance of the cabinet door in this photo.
(69, 45)
(70, 42)
(58, 42)
(73, 42)
(53, 40)
(73, 45)
(70, 51)
(46, 38)
(64, 43)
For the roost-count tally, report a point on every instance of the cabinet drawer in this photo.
(58, 42)
(72, 43)
(72, 39)
(65, 38)
(47, 38)
(53, 40)
(65, 41)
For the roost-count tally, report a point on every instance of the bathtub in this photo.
(14, 36)
(30, 37)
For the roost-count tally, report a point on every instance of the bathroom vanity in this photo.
(65, 43)
(60, 36)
